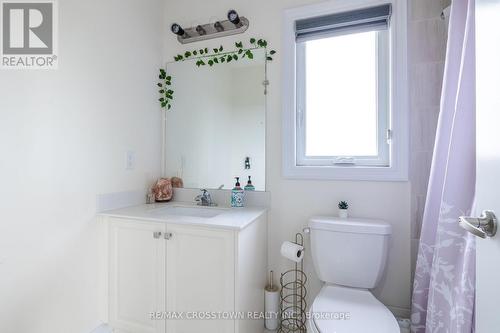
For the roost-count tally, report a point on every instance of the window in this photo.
(342, 95)
(340, 114)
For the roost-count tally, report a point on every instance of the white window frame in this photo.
(295, 163)
(383, 158)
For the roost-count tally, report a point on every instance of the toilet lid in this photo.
(347, 310)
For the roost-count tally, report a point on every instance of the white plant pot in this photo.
(343, 213)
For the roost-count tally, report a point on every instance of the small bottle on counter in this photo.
(249, 186)
(237, 195)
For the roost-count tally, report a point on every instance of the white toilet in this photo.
(349, 255)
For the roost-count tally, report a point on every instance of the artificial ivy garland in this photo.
(167, 94)
(205, 57)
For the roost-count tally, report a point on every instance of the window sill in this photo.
(353, 173)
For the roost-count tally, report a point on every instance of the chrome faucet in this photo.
(204, 199)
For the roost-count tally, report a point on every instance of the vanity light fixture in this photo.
(200, 30)
(218, 26)
(235, 24)
(177, 29)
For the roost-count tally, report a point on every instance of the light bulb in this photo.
(233, 17)
(177, 29)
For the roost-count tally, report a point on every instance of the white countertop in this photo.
(229, 218)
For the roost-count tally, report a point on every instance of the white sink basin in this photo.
(203, 212)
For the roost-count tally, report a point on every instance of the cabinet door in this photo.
(200, 279)
(136, 276)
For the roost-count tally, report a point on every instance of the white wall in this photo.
(293, 202)
(63, 138)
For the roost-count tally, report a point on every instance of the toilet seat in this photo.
(339, 309)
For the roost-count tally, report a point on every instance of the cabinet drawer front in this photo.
(200, 280)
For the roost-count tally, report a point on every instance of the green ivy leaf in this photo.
(201, 51)
(235, 57)
(249, 54)
(161, 91)
(160, 85)
(240, 51)
(269, 58)
(239, 44)
(222, 59)
(170, 91)
(221, 48)
(168, 83)
(206, 50)
(216, 50)
(229, 58)
(216, 60)
(187, 54)
(162, 99)
(163, 104)
(252, 40)
(262, 43)
(195, 52)
(272, 52)
(168, 78)
(211, 63)
(169, 106)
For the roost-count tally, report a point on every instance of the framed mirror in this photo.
(215, 129)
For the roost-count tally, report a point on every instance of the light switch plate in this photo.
(130, 160)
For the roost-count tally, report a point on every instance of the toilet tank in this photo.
(349, 252)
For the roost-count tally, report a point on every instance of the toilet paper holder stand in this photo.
(293, 296)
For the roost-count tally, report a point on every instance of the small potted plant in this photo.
(343, 207)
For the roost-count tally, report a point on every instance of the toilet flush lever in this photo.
(485, 225)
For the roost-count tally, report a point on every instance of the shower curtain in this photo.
(443, 290)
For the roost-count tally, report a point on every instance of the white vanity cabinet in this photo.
(189, 272)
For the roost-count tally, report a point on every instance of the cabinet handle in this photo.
(168, 235)
(156, 234)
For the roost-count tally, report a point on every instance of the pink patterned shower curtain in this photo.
(444, 285)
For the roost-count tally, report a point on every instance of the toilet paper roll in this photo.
(272, 307)
(292, 251)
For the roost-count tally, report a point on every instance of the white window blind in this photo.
(366, 19)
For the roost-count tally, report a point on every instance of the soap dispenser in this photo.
(237, 195)
(249, 186)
